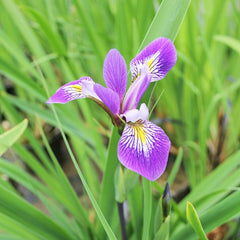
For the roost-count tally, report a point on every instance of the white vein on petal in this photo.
(132, 142)
(155, 69)
(86, 90)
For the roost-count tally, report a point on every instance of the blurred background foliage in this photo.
(44, 44)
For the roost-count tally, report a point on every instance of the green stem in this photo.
(147, 208)
(122, 220)
(107, 197)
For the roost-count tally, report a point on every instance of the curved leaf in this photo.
(8, 138)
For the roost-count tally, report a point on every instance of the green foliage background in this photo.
(44, 44)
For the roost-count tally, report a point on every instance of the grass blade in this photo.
(167, 20)
(193, 219)
(229, 41)
(8, 138)
(147, 208)
(30, 218)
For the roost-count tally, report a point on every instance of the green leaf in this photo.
(130, 179)
(29, 36)
(193, 219)
(120, 193)
(176, 167)
(163, 232)
(6, 236)
(167, 20)
(13, 227)
(163, 210)
(124, 183)
(147, 208)
(21, 79)
(229, 209)
(33, 109)
(53, 39)
(135, 200)
(93, 38)
(107, 192)
(216, 180)
(98, 210)
(229, 41)
(220, 213)
(8, 138)
(30, 219)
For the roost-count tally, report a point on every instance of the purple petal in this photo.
(135, 92)
(81, 88)
(160, 56)
(144, 148)
(108, 97)
(115, 72)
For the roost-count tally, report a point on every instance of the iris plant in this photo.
(143, 146)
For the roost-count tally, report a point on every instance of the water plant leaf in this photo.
(28, 219)
(163, 232)
(193, 219)
(229, 41)
(8, 138)
(229, 209)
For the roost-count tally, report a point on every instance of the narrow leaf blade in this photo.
(193, 219)
(8, 138)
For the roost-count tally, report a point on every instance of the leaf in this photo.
(229, 41)
(220, 213)
(53, 39)
(124, 183)
(163, 232)
(29, 219)
(167, 20)
(215, 181)
(100, 214)
(193, 219)
(120, 193)
(8, 138)
(46, 115)
(130, 179)
(147, 208)
(176, 167)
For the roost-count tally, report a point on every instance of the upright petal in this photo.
(81, 88)
(135, 115)
(144, 148)
(108, 97)
(135, 92)
(160, 56)
(115, 72)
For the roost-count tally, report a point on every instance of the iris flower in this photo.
(143, 146)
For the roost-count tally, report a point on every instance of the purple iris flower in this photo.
(143, 146)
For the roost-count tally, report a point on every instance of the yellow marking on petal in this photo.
(150, 62)
(139, 132)
(78, 88)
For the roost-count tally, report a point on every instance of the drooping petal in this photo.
(115, 72)
(81, 88)
(135, 92)
(108, 97)
(160, 56)
(144, 148)
(135, 115)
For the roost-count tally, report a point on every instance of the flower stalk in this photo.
(122, 220)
